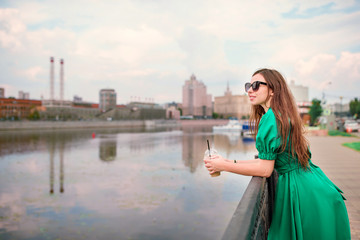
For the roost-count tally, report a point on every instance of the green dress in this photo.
(307, 204)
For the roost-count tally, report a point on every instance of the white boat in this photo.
(246, 132)
(248, 136)
(231, 126)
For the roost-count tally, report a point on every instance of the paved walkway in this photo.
(342, 166)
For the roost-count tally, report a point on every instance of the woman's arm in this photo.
(255, 167)
(246, 161)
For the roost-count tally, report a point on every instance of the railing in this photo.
(252, 217)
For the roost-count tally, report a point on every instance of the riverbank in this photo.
(48, 125)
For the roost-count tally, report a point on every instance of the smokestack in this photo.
(51, 78)
(61, 80)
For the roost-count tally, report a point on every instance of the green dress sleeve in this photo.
(268, 140)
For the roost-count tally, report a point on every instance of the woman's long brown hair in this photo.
(287, 116)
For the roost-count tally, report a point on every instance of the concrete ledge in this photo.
(245, 219)
(252, 217)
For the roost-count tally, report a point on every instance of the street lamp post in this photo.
(341, 105)
(323, 101)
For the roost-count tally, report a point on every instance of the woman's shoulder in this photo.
(267, 139)
(268, 117)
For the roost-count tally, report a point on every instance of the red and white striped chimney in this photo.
(61, 80)
(51, 78)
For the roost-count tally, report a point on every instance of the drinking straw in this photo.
(208, 147)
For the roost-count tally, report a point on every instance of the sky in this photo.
(147, 49)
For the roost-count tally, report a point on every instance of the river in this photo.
(117, 184)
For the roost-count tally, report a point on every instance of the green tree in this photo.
(180, 111)
(315, 111)
(34, 115)
(215, 115)
(355, 108)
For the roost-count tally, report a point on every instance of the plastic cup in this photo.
(208, 153)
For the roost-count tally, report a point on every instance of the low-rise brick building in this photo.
(11, 108)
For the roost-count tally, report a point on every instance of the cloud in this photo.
(11, 29)
(198, 54)
(121, 45)
(338, 76)
(140, 44)
(33, 73)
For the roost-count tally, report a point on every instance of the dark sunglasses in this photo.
(255, 86)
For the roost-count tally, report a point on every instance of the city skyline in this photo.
(138, 46)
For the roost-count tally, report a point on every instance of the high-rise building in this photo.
(2, 93)
(301, 96)
(301, 93)
(107, 99)
(24, 95)
(196, 102)
(232, 105)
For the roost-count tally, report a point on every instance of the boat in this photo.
(248, 135)
(231, 126)
(237, 128)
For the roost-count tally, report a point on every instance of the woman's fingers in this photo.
(210, 159)
(209, 166)
(209, 163)
(212, 172)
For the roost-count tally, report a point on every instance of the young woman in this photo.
(307, 204)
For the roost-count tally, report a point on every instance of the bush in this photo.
(339, 133)
(215, 115)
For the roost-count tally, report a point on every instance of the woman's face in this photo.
(259, 97)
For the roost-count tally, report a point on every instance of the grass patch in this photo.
(339, 133)
(353, 145)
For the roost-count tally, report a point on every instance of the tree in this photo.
(34, 115)
(355, 108)
(215, 115)
(315, 111)
(180, 110)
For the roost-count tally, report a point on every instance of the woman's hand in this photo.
(215, 163)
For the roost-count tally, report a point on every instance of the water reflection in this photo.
(227, 144)
(107, 150)
(51, 153)
(193, 147)
(52, 146)
(159, 190)
(231, 143)
(62, 146)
